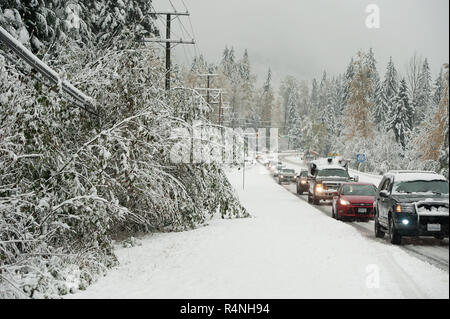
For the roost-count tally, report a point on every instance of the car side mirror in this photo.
(384, 194)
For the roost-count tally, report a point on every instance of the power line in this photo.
(82, 100)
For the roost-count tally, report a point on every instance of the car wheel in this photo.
(439, 237)
(333, 214)
(309, 198)
(316, 201)
(394, 237)
(378, 232)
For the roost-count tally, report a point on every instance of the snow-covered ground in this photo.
(289, 249)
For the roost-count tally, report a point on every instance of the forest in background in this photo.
(399, 121)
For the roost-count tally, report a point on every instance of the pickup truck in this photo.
(325, 178)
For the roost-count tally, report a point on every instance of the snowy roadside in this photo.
(287, 250)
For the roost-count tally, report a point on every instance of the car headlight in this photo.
(303, 182)
(319, 188)
(344, 202)
(404, 208)
(281, 176)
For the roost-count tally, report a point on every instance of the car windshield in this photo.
(303, 173)
(359, 190)
(432, 186)
(288, 171)
(332, 172)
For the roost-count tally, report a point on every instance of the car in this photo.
(325, 177)
(271, 164)
(411, 204)
(277, 169)
(286, 175)
(354, 201)
(302, 182)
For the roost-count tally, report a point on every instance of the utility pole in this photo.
(168, 41)
(208, 88)
(79, 98)
(220, 109)
(208, 84)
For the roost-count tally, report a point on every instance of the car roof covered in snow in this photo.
(404, 176)
(323, 163)
(330, 166)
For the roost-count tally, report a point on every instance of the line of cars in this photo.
(404, 204)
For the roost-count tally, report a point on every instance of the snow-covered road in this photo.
(289, 249)
(428, 249)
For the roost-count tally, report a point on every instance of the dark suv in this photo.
(412, 203)
(302, 182)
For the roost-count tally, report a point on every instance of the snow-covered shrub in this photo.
(70, 180)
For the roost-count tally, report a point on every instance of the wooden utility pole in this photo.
(208, 84)
(169, 42)
(168, 47)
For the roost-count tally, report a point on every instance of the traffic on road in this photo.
(405, 208)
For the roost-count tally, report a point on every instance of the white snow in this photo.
(403, 177)
(434, 211)
(287, 250)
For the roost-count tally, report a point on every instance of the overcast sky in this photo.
(304, 37)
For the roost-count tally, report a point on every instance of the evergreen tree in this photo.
(444, 125)
(390, 83)
(438, 88)
(324, 90)
(372, 73)
(267, 100)
(314, 99)
(401, 115)
(423, 99)
(49, 24)
(293, 122)
(381, 107)
(348, 78)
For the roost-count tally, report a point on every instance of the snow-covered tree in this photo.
(401, 114)
(359, 106)
(390, 83)
(423, 95)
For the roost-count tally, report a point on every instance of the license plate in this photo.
(362, 210)
(434, 227)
